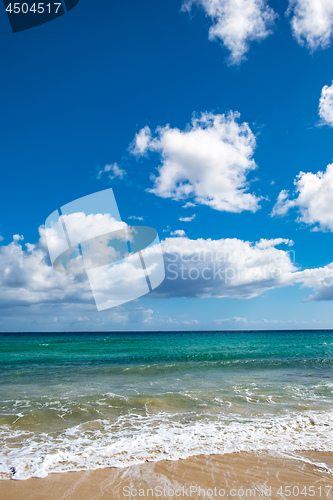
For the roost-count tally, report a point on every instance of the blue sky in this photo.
(76, 92)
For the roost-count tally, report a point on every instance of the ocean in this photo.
(83, 401)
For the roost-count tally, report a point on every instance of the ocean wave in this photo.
(134, 439)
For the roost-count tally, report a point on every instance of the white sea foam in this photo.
(133, 439)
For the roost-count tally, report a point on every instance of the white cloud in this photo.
(187, 219)
(134, 217)
(319, 279)
(264, 323)
(81, 226)
(142, 141)
(178, 232)
(189, 204)
(235, 319)
(312, 22)
(26, 277)
(113, 171)
(314, 194)
(175, 321)
(236, 269)
(1, 238)
(18, 237)
(121, 283)
(191, 322)
(208, 161)
(326, 105)
(283, 204)
(236, 23)
(225, 268)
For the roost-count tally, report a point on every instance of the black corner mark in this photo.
(28, 14)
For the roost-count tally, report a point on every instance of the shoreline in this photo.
(235, 475)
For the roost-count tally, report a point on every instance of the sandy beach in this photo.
(237, 475)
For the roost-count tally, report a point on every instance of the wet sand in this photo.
(236, 475)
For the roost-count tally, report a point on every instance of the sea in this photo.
(84, 401)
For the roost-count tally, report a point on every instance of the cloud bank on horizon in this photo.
(201, 268)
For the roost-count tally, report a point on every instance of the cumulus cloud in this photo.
(237, 269)
(113, 171)
(187, 219)
(224, 268)
(26, 277)
(313, 199)
(326, 105)
(236, 23)
(318, 279)
(312, 22)
(208, 162)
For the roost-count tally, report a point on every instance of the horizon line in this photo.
(172, 331)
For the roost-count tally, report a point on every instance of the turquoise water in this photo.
(84, 401)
